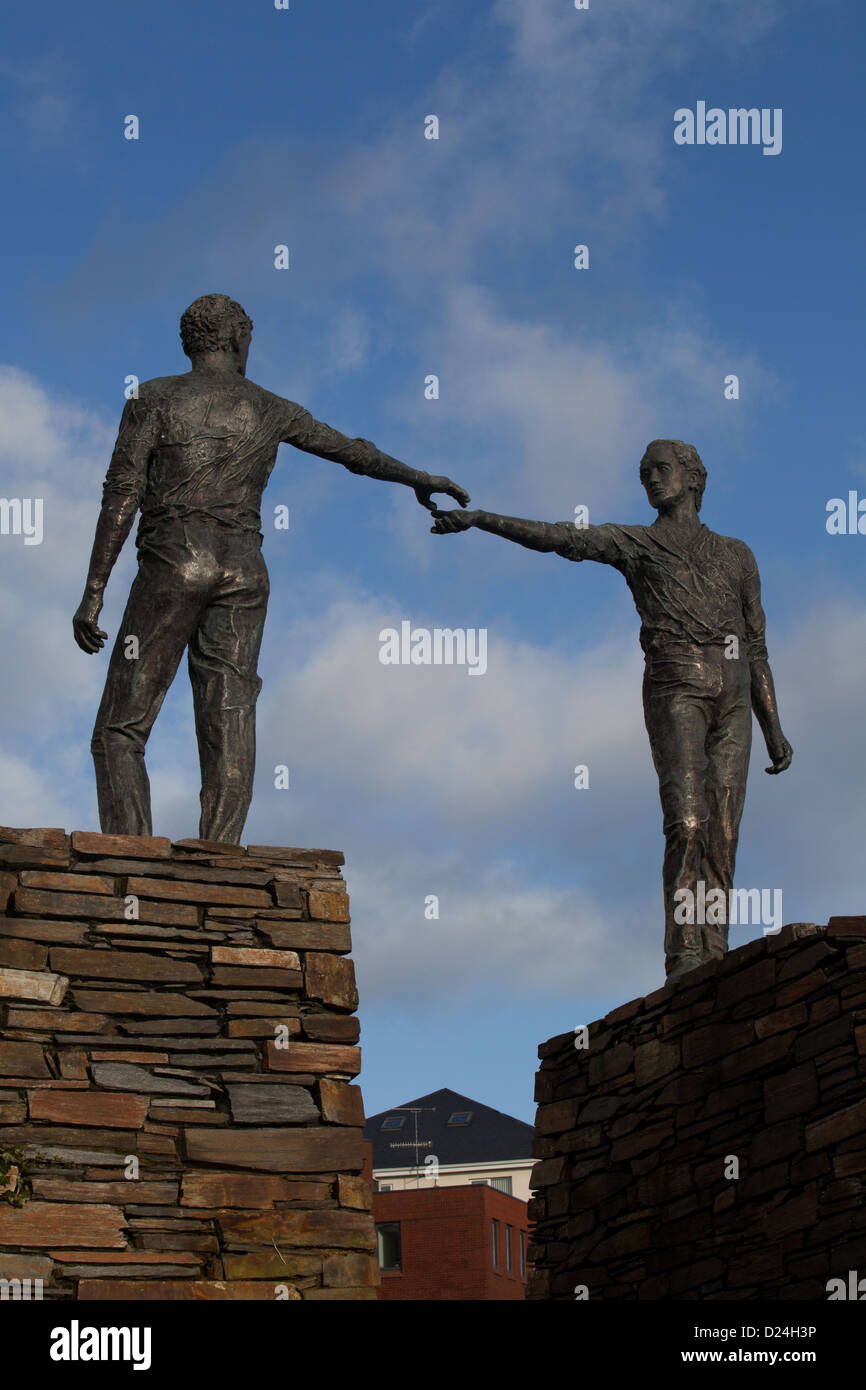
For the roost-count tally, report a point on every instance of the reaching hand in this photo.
(781, 752)
(424, 492)
(89, 637)
(448, 522)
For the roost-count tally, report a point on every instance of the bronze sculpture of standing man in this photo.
(702, 631)
(194, 452)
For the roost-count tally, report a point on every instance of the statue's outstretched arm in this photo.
(361, 456)
(535, 535)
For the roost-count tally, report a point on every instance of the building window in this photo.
(523, 1254)
(388, 1241)
(508, 1234)
(394, 1122)
(383, 1186)
(498, 1184)
(495, 1229)
(460, 1117)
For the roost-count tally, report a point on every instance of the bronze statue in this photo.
(194, 452)
(698, 595)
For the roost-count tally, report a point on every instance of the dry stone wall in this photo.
(177, 1050)
(759, 1058)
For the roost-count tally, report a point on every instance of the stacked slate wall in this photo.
(177, 1047)
(710, 1141)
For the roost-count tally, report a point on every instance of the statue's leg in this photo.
(728, 746)
(677, 718)
(160, 615)
(223, 662)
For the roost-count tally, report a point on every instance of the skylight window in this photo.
(460, 1117)
(394, 1122)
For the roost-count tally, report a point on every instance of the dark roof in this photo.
(489, 1136)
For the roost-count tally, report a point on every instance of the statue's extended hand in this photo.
(781, 752)
(89, 637)
(448, 522)
(425, 492)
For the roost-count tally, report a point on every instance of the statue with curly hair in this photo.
(194, 453)
(698, 595)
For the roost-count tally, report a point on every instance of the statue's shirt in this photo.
(201, 447)
(698, 590)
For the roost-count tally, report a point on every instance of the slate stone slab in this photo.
(275, 1150)
(125, 1076)
(272, 1105)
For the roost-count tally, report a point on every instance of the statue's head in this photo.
(669, 469)
(215, 324)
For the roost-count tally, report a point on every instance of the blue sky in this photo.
(454, 257)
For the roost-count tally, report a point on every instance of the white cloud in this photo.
(54, 449)
(543, 883)
(465, 747)
(497, 932)
(44, 434)
(33, 792)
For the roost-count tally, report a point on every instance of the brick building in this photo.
(449, 1201)
(451, 1243)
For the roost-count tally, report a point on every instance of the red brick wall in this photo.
(446, 1237)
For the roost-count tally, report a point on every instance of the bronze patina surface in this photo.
(702, 631)
(194, 453)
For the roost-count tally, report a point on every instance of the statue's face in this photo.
(663, 476)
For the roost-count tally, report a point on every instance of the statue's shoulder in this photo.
(734, 546)
(615, 528)
(267, 400)
(158, 388)
(636, 535)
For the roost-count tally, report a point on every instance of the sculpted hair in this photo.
(687, 457)
(210, 323)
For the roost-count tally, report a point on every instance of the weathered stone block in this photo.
(75, 1108)
(306, 936)
(22, 955)
(247, 1190)
(272, 1105)
(330, 979)
(182, 891)
(163, 1004)
(62, 1223)
(842, 1124)
(255, 956)
(317, 1150)
(30, 984)
(341, 1103)
(328, 907)
(341, 1229)
(132, 846)
(126, 1076)
(111, 963)
(313, 1057)
(22, 1059)
(257, 977)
